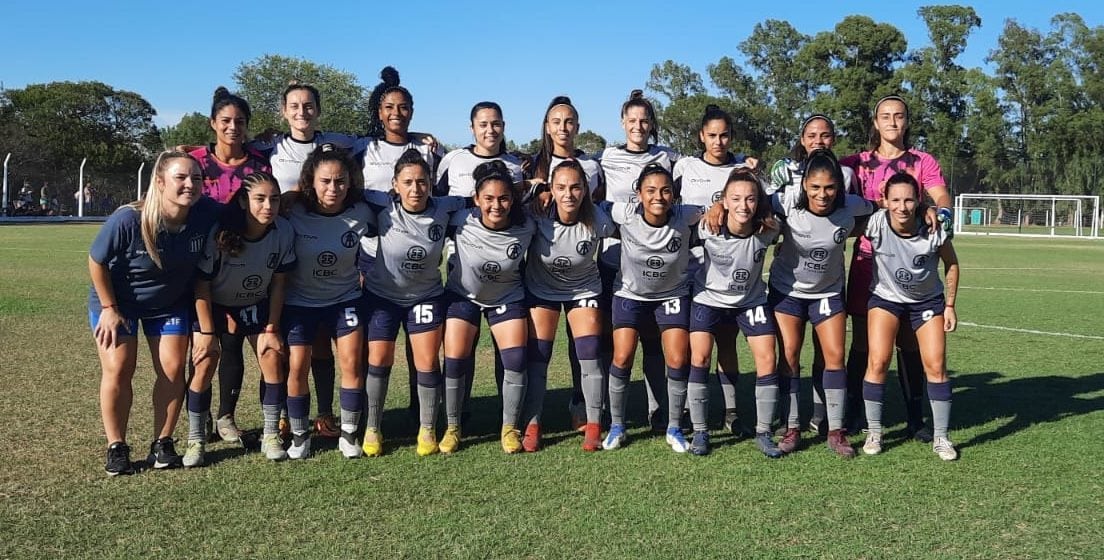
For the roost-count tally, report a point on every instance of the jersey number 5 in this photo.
(351, 318)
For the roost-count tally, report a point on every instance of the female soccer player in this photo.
(558, 133)
(226, 162)
(241, 292)
(701, 181)
(485, 278)
(323, 291)
(729, 293)
(652, 284)
(456, 172)
(890, 152)
(404, 288)
(622, 166)
(561, 273)
(142, 263)
(906, 286)
(806, 285)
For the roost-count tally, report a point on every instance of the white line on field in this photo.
(1044, 290)
(1030, 331)
(1023, 268)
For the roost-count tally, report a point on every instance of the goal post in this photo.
(1028, 214)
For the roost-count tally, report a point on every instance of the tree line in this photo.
(1034, 124)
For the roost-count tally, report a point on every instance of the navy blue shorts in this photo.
(757, 320)
(247, 320)
(460, 307)
(532, 301)
(607, 275)
(174, 322)
(385, 316)
(917, 313)
(301, 324)
(815, 311)
(671, 313)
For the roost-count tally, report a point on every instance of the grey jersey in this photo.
(486, 267)
(591, 167)
(326, 247)
(731, 275)
(653, 259)
(454, 173)
(286, 154)
(621, 167)
(560, 265)
(906, 269)
(809, 262)
(702, 184)
(244, 279)
(378, 157)
(407, 270)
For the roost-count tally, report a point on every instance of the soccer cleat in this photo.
(765, 444)
(837, 442)
(373, 442)
(790, 440)
(194, 454)
(511, 439)
(577, 410)
(451, 440)
(325, 425)
(734, 426)
(615, 438)
(657, 419)
(427, 442)
(592, 437)
(273, 447)
(228, 429)
(348, 445)
(943, 447)
(163, 454)
(699, 443)
(118, 460)
(531, 443)
(283, 429)
(300, 446)
(873, 443)
(923, 434)
(676, 440)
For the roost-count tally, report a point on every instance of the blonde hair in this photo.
(152, 220)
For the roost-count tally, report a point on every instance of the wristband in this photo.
(950, 305)
(270, 329)
(112, 306)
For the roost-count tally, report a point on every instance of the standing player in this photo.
(323, 290)
(889, 152)
(729, 292)
(652, 285)
(701, 181)
(806, 285)
(241, 292)
(906, 286)
(485, 278)
(142, 265)
(456, 172)
(561, 273)
(622, 166)
(404, 288)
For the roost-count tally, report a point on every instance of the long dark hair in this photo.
(798, 153)
(326, 153)
(498, 109)
(233, 220)
(902, 178)
(389, 82)
(823, 160)
(715, 113)
(223, 97)
(541, 169)
(495, 170)
(637, 99)
(655, 169)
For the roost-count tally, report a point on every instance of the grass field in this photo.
(1028, 418)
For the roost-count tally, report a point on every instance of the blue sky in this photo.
(450, 54)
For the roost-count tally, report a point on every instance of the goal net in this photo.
(1028, 214)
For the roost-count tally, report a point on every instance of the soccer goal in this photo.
(1028, 214)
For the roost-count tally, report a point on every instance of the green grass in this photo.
(1027, 418)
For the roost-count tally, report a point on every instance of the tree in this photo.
(262, 81)
(785, 88)
(675, 81)
(194, 129)
(590, 142)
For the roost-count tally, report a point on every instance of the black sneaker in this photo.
(118, 459)
(163, 454)
(735, 427)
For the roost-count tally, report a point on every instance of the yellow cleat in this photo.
(373, 443)
(427, 442)
(511, 439)
(451, 441)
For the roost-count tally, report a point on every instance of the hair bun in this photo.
(390, 76)
(636, 94)
(221, 93)
(711, 108)
(560, 100)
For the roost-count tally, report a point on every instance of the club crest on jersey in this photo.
(674, 244)
(349, 239)
(327, 259)
(583, 247)
(273, 260)
(760, 254)
(491, 267)
(903, 276)
(513, 251)
(252, 282)
(195, 244)
(416, 253)
(920, 261)
(840, 235)
(436, 232)
(654, 262)
(818, 254)
(561, 263)
(740, 275)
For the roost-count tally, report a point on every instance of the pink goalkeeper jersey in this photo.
(220, 180)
